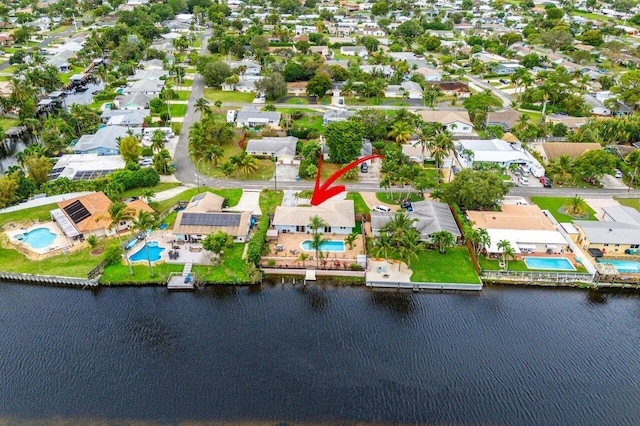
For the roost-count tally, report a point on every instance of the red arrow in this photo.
(324, 192)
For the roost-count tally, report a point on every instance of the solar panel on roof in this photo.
(77, 211)
(210, 219)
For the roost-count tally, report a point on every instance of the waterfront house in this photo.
(204, 215)
(88, 215)
(133, 101)
(104, 142)
(86, 166)
(428, 218)
(608, 237)
(339, 215)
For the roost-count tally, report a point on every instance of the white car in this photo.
(380, 208)
(145, 162)
(618, 174)
(523, 181)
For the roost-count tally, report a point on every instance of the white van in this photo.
(524, 170)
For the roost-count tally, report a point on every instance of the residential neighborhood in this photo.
(462, 143)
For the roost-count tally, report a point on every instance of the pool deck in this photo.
(186, 252)
(291, 245)
(59, 242)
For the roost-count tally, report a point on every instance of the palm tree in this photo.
(143, 222)
(483, 240)
(575, 206)
(507, 252)
(443, 240)
(399, 226)
(157, 141)
(562, 168)
(400, 132)
(350, 240)
(303, 257)
(119, 212)
(202, 106)
(410, 247)
(441, 147)
(147, 195)
(382, 244)
(316, 222)
(214, 153)
(316, 243)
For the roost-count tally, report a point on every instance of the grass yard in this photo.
(534, 116)
(297, 101)
(630, 202)
(64, 78)
(231, 269)
(329, 169)
(6, 123)
(119, 273)
(231, 195)
(312, 122)
(359, 204)
(218, 95)
(269, 200)
(186, 83)
(454, 266)
(183, 95)
(411, 196)
(178, 110)
(162, 186)
(553, 204)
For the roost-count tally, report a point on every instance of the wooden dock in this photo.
(310, 275)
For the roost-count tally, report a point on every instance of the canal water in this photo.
(321, 353)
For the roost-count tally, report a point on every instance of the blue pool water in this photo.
(331, 245)
(154, 252)
(39, 238)
(549, 263)
(628, 266)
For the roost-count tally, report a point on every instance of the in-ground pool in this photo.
(154, 252)
(624, 266)
(37, 238)
(549, 263)
(331, 245)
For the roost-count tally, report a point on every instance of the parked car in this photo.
(405, 204)
(364, 168)
(503, 81)
(145, 162)
(380, 208)
(618, 174)
(546, 182)
(523, 181)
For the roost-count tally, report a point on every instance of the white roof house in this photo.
(340, 215)
(86, 166)
(148, 87)
(498, 152)
(410, 89)
(251, 116)
(277, 147)
(527, 240)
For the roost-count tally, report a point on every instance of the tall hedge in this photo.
(254, 251)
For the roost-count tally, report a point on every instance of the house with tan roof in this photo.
(204, 215)
(527, 229)
(572, 123)
(339, 215)
(553, 150)
(88, 215)
(506, 118)
(457, 122)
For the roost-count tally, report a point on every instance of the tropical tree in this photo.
(143, 222)
(575, 206)
(443, 240)
(411, 246)
(119, 212)
(316, 223)
(507, 252)
(303, 257)
(350, 240)
(157, 140)
(202, 106)
(316, 243)
(398, 227)
(400, 132)
(441, 146)
(214, 153)
(562, 168)
(479, 239)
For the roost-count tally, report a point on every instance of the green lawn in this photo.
(218, 95)
(186, 83)
(230, 271)
(64, 78)
(269, 200)
(312, 122)
(553, 204)
(630, 202)
(454, 266)
(231, 195)
(178, 110)
(297, 101)
(183, 196)
(6, 123)
(328, 169)
(59, 29)
(183, 95)
(358, 202)
(119, 273)
(396, 198)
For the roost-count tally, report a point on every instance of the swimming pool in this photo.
(37, 238)
(549, 263)
(628, 266)
(154, 252)
(331, 245)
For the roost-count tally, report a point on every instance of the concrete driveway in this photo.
(250, 201)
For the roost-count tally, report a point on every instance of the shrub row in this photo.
(254, 251)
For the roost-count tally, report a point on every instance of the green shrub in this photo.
(113, 255)
(92, 240)
(254, 251)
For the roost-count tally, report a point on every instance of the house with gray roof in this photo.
(148, 74)
(103, 142)
(133, 101)
(428, 218)
(623, 214)
(602, 238)
(410, 89)
(251, 116)
(281, 148)
(124, 117)
(148, 87)
(335, 115)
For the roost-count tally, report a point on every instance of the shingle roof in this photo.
(273, 145)
(430, 217)
(335, 213)
(572, 149)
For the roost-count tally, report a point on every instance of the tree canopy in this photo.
(475, 190)
(344, 140)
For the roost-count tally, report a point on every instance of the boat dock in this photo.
(183, 281)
